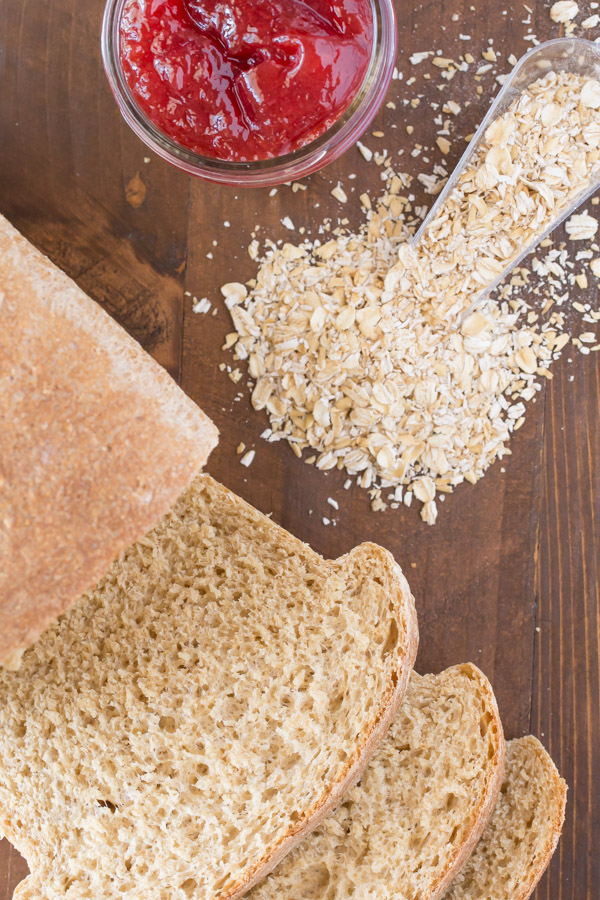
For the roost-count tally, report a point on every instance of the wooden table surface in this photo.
(508, 577)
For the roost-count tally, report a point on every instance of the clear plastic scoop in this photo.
(574, 55)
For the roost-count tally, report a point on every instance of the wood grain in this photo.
(508, 577)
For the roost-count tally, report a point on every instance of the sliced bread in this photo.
(405, 830)
(519, 841)
(96, 442)
(185, 723)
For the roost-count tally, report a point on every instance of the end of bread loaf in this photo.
(96, 442)
(187, 721)
(517, 845)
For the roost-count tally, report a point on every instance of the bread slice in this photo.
(405, 830)
(96, 442)
(521, 837)
(177, 731)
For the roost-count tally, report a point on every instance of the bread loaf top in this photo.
(96, 442)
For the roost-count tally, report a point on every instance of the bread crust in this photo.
(490, 794)
(406, 655)
(96, 442)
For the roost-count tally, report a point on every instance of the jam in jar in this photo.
(242, 80)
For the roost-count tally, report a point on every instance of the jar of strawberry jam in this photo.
(249, 93)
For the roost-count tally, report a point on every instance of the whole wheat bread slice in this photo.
(405, 830)
(96, 442)
(184, 724)
(519, 841)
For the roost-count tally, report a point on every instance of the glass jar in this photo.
(291, 167)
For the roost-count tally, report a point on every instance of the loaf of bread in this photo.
(96, 442)
(405, 830)
(519, 841)
(192, 717)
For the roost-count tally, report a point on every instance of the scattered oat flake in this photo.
(451, 107)
(563, 11)
(581, 227)
(202, 306)
(248, 458)
(364, 151)
(444, 145)
(560, 342)
(287, 223)
(230, 340)
(417, 58)
(339, 193)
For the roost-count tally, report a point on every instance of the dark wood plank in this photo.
(566, 697)
(13, 869)
(514, 553)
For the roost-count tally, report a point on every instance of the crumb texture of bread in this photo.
(422, 799)
(96, 442)
(201, 705)
(519, 841)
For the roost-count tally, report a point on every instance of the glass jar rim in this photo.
(344, 132)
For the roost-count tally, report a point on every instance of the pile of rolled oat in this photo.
(359, 348)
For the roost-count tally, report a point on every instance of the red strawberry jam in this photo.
(245, 79)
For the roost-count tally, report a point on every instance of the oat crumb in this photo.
(248, 458)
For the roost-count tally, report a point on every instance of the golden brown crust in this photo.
(406, 651)
(96, 442)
